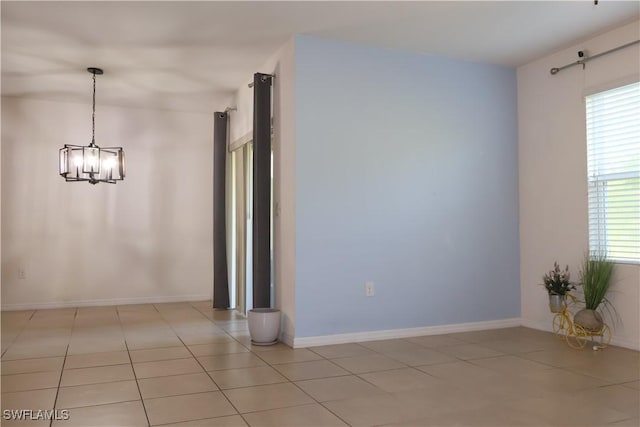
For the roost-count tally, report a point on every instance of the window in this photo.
(613, 151)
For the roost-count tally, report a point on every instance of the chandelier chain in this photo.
(93, 115)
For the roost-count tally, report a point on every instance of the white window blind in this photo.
(613, 150)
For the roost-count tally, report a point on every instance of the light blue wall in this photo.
(406, 175)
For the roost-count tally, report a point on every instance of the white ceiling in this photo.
(192, 56)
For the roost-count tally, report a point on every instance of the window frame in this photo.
(599, 180)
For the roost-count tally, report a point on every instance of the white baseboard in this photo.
(104, 302)
(286, 339)
(404, 333)
(615, 340)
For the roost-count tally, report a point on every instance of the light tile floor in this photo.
(185, 364)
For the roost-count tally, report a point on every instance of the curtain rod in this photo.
(555, 70)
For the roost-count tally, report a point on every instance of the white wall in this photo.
(148, 238)
(282, 65)
(553, 173)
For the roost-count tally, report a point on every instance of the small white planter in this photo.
(264, 325)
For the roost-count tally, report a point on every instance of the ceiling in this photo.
(192, 56)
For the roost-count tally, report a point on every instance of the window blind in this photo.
(613, 151)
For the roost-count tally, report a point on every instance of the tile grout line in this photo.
(272, 367)
(64, 362)
(198, 419)
(358, 375)
(126, 345)
(322, 404)
(207, 372)
(22, 328)
(177, 322)
(307, 394)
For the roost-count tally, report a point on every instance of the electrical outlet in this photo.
(368, 289)
(22, 273)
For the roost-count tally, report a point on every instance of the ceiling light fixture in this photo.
(92, 163)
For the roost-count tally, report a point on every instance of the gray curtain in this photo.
(220, 272)
(261, 190)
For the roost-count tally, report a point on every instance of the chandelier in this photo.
(90, 162)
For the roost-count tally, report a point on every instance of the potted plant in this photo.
(596, 278)
(558, 284)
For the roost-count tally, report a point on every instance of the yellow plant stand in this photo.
(576, 336)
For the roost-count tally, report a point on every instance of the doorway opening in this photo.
(241, 226)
